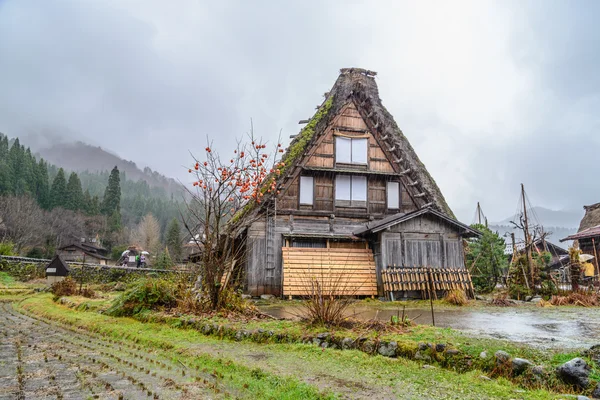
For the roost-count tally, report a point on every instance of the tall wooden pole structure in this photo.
(527, 239)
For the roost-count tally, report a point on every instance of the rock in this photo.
(580, 397)
(440, 347)
(520, 365)
(206, 329)
(347, 343)
(502, 357)
(575, 372)
(422, 357)
(246, 296)
(317, 341)
(368, 347)
(422, 346)
(240, 335)
(483, 355)
(485, 378)
(427, 366)
(452, 352)
(596, 392)
(388, 349)
(538, 370)
(324, 345)
(267, 296)
(536, 299)
(479, 298)
(323, 335)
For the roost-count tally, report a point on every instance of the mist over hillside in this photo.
(75, 155)
(547, 217)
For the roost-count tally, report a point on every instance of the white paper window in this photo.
(393, 195)
(351, 188)
(351, 151)
(306, 190)
(343, 150)
(342, 187)
(359, 151)
(359, 188)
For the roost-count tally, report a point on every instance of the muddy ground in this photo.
(40, 360)
(551, 327)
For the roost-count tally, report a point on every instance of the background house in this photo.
(588, 235)
(350, 167)
(78, 252)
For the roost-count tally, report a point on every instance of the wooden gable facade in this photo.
(351, 167)
(321, 164)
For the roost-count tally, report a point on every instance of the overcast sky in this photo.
(490, 94)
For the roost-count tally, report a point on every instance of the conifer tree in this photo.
(5, 183)
(74, 193)
(58, 190)
(42, 185)
(174, 239)
(112, 194)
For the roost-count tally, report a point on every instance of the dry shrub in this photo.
(583, 299)
(543, 303)
(65, 287)
(457, 297)
(502, 300)
(87, 292)
(324, 304)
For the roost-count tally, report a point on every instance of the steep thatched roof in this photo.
(358, 85)
(591, 217)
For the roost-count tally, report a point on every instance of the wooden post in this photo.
(431, 300)
(528, 240)
(596, 256)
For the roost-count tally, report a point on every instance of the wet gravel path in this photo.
(40, 359)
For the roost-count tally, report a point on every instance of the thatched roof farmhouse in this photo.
(349, 167)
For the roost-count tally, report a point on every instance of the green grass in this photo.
(279, 374)
(6, 280)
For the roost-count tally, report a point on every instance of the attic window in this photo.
(306, 190)
(351, 150)
(393, 195)
(351, 190)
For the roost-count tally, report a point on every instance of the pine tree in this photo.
(112, 194)
(74, 193)
(58, 190)
(5, 182)
(42, 188)
(174, 239)
(15, 160)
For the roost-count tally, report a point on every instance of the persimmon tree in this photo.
(224, 187)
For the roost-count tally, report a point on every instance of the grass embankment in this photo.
(349, 373)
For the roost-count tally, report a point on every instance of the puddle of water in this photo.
(539, 327)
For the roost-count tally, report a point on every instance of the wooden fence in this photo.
(426, 280)
(335, 271)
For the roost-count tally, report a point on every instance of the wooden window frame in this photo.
(312, 204)
(351, 203)
(387, 188)
(351, 163)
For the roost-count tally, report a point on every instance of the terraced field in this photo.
(42, 360)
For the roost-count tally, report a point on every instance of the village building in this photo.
(57, 270)
(588, 234)
(353, 199)
(84, 251)
(559, 257)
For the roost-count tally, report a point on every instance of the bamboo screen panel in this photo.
(333, 271)
(426, 280)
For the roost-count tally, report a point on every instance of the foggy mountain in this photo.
(547, 217)
(559, 224)
(78, 156)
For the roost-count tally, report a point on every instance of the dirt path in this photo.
(40, 360)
